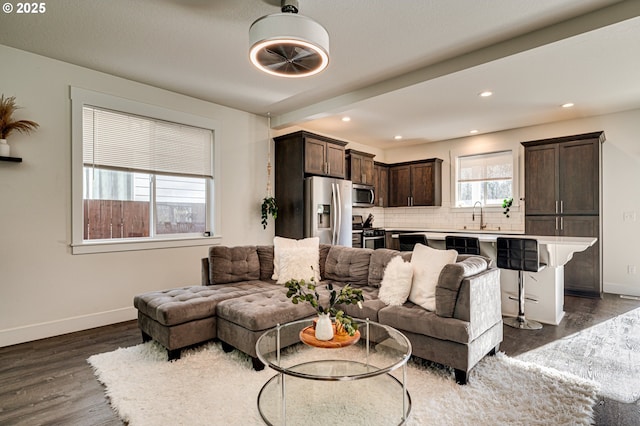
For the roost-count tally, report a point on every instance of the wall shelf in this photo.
(11, 159)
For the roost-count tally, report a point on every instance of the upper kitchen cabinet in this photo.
(313, 154)
(381, 184)
(416, 183)
(360, 167)
(563, 175)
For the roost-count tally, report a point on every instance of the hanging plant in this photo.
(506, 205)
(7, 124)
(269, 207)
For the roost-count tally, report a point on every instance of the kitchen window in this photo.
(486, 177)
(143, 176)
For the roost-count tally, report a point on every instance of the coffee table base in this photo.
(377, 400)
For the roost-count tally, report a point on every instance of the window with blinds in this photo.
(487, 178)
(144, 178)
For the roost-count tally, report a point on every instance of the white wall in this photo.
(621, 177)
(44, 290)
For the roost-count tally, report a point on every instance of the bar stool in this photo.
(463, 245)
(519, 254)
(408, 241)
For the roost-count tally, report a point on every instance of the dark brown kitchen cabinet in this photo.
(562, 198)
(381, 183)
(417, 183)
(360, 167)
(297, 156)
(319, 155)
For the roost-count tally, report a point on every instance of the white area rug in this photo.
(608, 353)
(210, 387)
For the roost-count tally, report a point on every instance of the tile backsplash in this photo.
(443, 218)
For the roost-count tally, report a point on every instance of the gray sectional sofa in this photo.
(238, 301)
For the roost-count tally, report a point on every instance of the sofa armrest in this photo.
(205, 271)
(479, 301)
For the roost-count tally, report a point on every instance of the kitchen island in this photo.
(544, 289)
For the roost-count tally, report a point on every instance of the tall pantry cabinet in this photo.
(563, 197)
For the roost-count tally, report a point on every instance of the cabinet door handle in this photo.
(562, 223)
(328, 168)
(561, 206)
(557, 223)
(556, 208)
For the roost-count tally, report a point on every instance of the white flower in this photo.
(359, 304)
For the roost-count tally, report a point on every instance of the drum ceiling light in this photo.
(289, 45)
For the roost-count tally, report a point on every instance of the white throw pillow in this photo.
(427, 264)
(281, 244)
(299, 263)
(396, 282)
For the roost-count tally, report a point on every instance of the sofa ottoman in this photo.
(242, 320)
(186, 316)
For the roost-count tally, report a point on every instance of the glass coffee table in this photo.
(349, 385)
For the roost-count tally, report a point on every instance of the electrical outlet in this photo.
(629, 216)
(631, 269)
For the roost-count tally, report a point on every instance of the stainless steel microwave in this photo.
(363, 196)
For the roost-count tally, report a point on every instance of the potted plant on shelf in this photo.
(269, 207)
(307, 291)
(7, 124)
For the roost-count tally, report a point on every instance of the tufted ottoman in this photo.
(242, 320)
(185, 316)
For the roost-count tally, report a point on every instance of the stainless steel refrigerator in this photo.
(327, 207)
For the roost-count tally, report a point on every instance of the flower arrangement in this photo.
(306, 291)
(7, 124)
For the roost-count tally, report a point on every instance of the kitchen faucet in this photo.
(473, 215)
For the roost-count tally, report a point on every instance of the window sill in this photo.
(134, 245)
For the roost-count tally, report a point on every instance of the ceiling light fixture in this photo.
(345, 119)
(287, 44)
(485, 94)
(473, 132)
(567, 105)
(398, 137)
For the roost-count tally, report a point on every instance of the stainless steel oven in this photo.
(373, 238)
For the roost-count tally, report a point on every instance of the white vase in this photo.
(324, 328)
(5, 149)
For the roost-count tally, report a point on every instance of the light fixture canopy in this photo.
(289, 45)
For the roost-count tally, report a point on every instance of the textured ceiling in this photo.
(411, 67)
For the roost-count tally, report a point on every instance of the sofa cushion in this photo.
(396, 283)
(347, 264)
(233, 264)
(261, 311)
(450, 280)
(427, 264)
(379, 260)
(265, 255)
(180, 305)
(414, 319)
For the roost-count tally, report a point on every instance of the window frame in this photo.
(80, 98)
(481, 149)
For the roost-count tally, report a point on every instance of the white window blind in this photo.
(485, 167)
(130, 142)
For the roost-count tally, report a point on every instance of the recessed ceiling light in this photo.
(473, 132)
(397, 137)
(345, 119)
(567, 105)
(485, 94)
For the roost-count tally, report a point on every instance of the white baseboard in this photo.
(28, 333)
(626, 289)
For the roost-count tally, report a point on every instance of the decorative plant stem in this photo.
(269, 207)
(506, 205)
(7, 124)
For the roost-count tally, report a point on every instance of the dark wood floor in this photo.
(49, 382)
